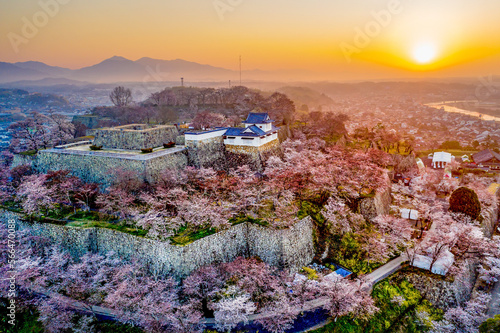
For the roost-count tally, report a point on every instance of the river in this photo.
(454, 109)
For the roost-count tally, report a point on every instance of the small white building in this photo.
(258, 135)
(258, 131)
(409, 214)
(441, 159)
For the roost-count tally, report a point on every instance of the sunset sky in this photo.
(456, 37)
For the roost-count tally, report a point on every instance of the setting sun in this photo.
(424, 53)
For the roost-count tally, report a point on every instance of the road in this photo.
(384, 271)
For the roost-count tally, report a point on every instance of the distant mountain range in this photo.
(122, 70)
(119, 69)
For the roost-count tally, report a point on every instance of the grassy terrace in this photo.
(90, 219)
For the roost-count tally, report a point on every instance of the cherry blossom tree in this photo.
(392, 234)
(346, 297)
(55, 316)
(86, 195)
(464, 319)
(201, 211)
(63, 186)
(61, 128)
(279, 315)
(6, 188)
(205, 120)
(340, 218)
(117, 202)
(35, 196)
(490, 270)
(31, 133)
(229, 311)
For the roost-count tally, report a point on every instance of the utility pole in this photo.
(240, 70)
(182, 82)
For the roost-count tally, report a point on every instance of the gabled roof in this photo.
(258, 118)
(485, 156)
(248, 131)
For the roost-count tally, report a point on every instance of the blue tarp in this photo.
(343, 272)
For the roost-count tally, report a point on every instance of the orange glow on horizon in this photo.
(424, 37)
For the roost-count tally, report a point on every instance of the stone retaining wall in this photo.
(98, 167)
(376, 206)
(24, 160)
(290, 248)
(257, 154)
(443, 292)
(490, 218)
(206, 153)
(134, 136)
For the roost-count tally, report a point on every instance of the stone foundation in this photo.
(378, 205)
(442, 292)
(287, 249)
(208, 153)
(134, 137)
(257, 154)
(98, 167)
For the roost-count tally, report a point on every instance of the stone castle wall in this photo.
(490, 218)
(98, 167)
(255, 151)
(378, 205)
(24, 160)
(291, 248)
(443, 292)
(134, 138)
(257, 154)
(206, 153)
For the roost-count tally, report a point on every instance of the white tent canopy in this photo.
(441, 266)
(441, 159)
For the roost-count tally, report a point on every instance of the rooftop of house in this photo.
(258, 118)
(485, 156)
(248, 131)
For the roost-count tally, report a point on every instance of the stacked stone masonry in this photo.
(286, 249)
(206, 153)
(134, 137)
(97, 166)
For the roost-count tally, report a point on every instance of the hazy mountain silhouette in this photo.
(10, 72)
(117, 69)
(52, 71)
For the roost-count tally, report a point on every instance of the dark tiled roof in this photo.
(485, 156)
(258, 118)
(240, 131)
